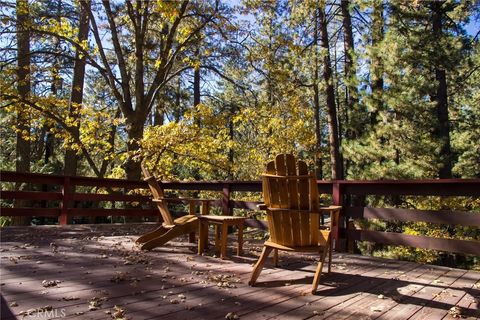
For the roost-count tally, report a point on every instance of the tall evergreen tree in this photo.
(333, 133)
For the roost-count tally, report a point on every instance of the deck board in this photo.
(102, 261)
(328, 298)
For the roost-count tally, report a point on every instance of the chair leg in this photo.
(151, 235)
(202, 237)
(318, 272)
(223, 245)
(169, 235)
(275, 257)
(330, 247)
(240, 240)
(217, 239)
(259, 265)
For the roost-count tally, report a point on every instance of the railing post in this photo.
(226, 210)
(63, 219)
(336, 193)
(337, 199)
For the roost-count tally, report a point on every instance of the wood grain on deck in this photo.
(173, 282)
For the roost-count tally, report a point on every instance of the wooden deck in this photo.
(95, 272)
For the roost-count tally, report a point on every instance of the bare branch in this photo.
(122, 66)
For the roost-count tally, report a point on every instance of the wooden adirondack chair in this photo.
(170, 228)
(293, 213)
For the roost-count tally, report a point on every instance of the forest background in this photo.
(210, 90)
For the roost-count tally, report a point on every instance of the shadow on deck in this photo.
(96, 272)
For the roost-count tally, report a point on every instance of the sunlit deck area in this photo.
(96, 272)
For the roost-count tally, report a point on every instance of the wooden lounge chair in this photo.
(293, 214)
(170, 228)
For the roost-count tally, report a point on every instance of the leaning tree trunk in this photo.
(76, 95)
(337, 168)
(22, 161)
(443, 126)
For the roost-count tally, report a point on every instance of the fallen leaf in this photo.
(95, 303)
(118, 313)
(376, 309)
(54, 247)
(50, 283)
(455, 312)
(118, 277)
(232, 316)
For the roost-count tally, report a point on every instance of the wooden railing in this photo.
(64, 197)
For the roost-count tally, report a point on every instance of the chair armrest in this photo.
(204, 203)
(182, 200)
(296, 210)
(330, 208)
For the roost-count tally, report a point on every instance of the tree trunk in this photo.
(196, 92)
(376, 66)
(76, 95)
(316, 105)
(196, 83)
(351, 96)
(443, 126)
(178, 100)
(158, 117)
(337, 168)
(135, 133)
(23, 74)
(133, 169)
(22, 161)
(55, 88)
(231, 133)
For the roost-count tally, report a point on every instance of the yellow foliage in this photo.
(188, 146)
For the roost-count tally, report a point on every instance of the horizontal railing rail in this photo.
(66, 197)
(63, 198)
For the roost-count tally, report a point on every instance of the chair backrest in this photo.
(291, 195)
(157, 193)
